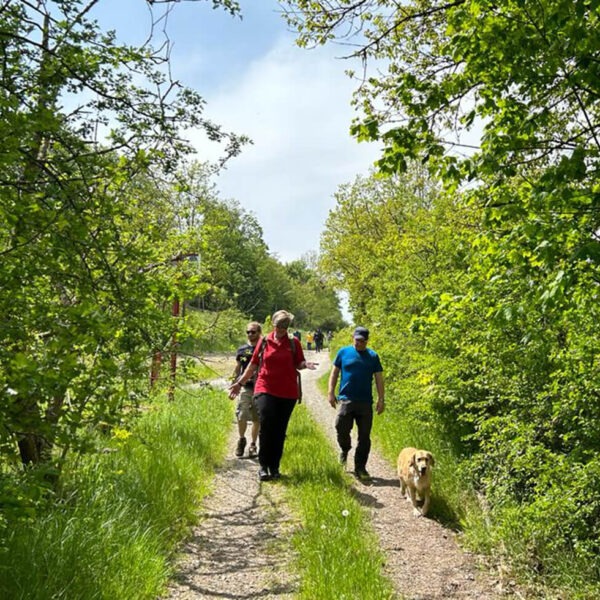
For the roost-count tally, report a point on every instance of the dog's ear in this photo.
(431, 459)
(413, 460)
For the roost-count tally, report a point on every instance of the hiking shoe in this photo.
(362, 475)
(343, 458)
(263, 474)
(252, 451)
(275, 474)
(241, 445)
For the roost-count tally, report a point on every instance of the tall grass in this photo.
(112, 532)
(337, 554)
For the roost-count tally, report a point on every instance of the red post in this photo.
(157, 356)
(175, 313)
(155, 368)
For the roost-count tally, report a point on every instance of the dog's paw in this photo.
(417, 512)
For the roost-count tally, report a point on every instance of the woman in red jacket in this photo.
(276, 357)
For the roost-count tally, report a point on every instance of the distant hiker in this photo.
(246, 408)
(297, 335)
(275, 362)
(318, 337)
(358, 365)
(309, 340)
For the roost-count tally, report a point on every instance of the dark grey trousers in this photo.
(274, 415)
(360, 413)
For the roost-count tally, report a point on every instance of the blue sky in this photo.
(294, 104)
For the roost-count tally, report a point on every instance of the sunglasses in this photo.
(249, 331)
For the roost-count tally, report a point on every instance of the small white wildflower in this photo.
(345, 513)
(323, 526)
(11, 392)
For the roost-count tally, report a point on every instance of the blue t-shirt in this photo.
(357, 370)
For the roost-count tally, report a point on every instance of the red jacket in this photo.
(277, 374)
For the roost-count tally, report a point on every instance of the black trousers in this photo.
(274, 415)
(360, 413)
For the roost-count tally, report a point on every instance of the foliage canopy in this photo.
(490, 291)
(104, 224)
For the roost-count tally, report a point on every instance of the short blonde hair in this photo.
(282, 318)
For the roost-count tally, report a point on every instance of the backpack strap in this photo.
(263, 345)
(298, 376)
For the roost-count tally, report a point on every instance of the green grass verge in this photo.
(113, 530)
(337, 554)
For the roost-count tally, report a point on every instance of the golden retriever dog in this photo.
(414, 472)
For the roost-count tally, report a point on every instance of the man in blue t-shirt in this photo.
(358, 366)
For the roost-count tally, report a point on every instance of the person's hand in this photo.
(311, 365)
(234, 389)
(332, 399)
(380, 406)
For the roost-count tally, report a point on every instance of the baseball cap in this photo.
(361, 333)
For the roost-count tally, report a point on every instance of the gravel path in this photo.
(240, 548)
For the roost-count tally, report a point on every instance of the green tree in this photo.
(391, 241)
(80, 308)
(315, 302)
(365, 240)
(516, 341)
(527, 74)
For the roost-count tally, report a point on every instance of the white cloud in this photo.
(295, 105)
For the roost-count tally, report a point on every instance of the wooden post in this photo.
(175, 313)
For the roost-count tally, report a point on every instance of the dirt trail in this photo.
(234, 552)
